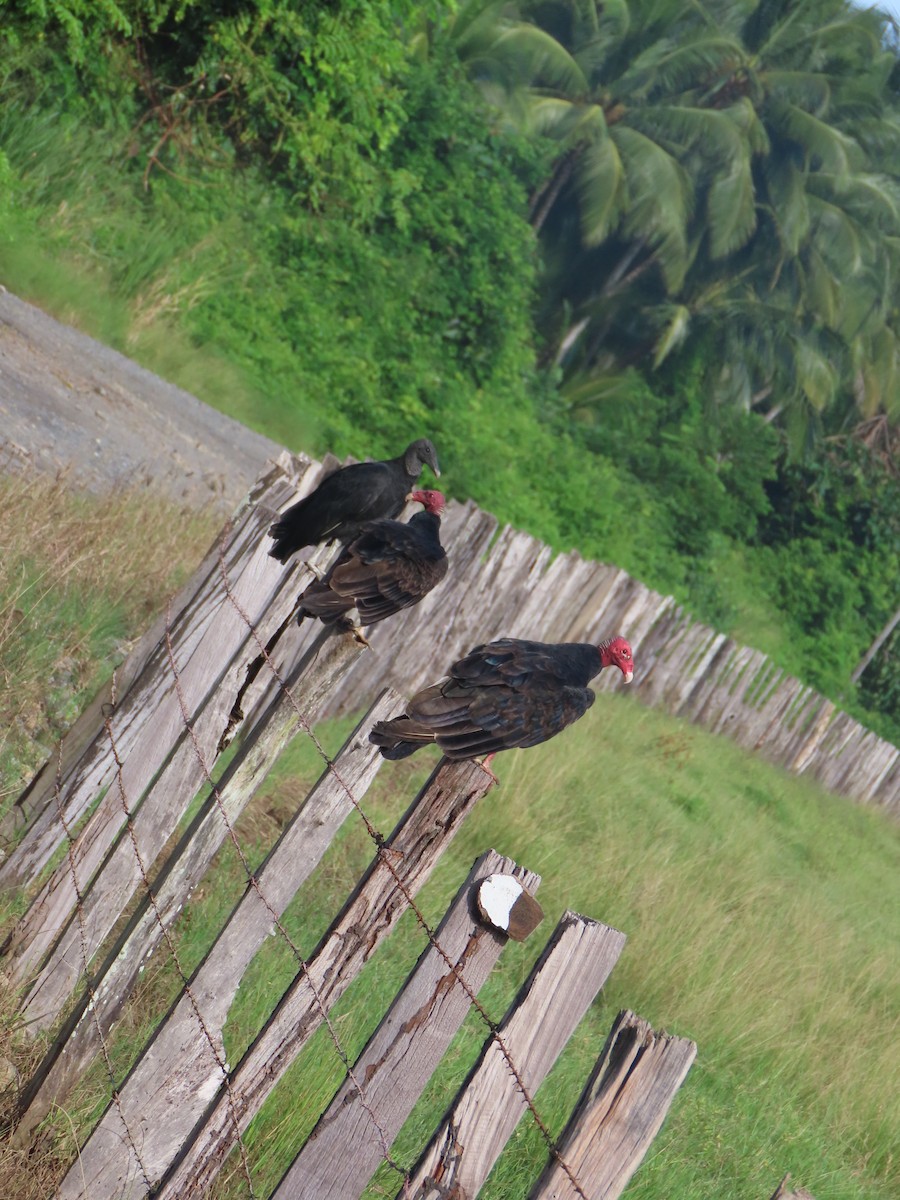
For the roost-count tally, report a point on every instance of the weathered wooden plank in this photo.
(390, 1074)
(126, 831)
(887, 794)
(156, 1115)
(620, 1111)
(573, 967)
(325, 807)
(122, 873)
(146, 720)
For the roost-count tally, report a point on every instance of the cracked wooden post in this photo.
(154, 1100)
(301, 846)
(575, 964)
(620, 1112)
(401, 1055)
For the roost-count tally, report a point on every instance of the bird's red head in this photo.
(432, 501)
(616, 652)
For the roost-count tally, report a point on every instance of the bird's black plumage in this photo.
(388, 567)
(503, 694)
(349, 498)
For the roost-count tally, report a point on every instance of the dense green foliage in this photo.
(622, 281)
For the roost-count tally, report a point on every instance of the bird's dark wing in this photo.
(513, 661)
(391, 566)
(339, 506)
(467, 721)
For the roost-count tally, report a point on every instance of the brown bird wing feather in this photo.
(388, 567)
(500, 695)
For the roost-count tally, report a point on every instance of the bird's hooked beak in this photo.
(629, 675)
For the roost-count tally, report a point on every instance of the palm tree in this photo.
(723, 169)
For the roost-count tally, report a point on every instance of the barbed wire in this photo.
(271, 909)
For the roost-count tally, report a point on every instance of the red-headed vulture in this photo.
(503, 694)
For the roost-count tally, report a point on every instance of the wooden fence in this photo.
(96, 834)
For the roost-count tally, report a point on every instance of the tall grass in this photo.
(80, 578)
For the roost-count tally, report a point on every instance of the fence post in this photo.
(575, 964)
(620, 1112)
(153, 1101)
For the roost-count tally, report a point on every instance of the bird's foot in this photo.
(484, 763)
(352, 623)
(314, 569)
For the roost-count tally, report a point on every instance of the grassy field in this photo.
(763, 915)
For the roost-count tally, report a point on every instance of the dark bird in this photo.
(348, 498)
(388, 567)
(503, 694)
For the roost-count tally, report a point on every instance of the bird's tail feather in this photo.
(400, 738)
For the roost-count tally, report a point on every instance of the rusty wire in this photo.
(254, 883)
(85, 956)
(170, 943)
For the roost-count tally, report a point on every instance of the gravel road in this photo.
(69, 403)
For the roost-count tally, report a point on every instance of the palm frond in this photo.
(660, 200)
(540, 59)
(681, 127)
(731, 209)
(816, 376)
(567, 123)
(674, 333)
(821, 143)
(880, 372)
(786, 186)
(669, 66)
(599, 181)
(869, 198)
(809, 90)
(746, 118)
(837, 232)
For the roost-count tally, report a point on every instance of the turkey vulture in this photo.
(504, 694)
(344, 501)
(388, 567)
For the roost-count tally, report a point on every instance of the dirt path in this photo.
(69, 403)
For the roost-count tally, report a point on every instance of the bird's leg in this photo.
(352, 623)
(314, 570)
(484, 763)
(359, 636)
